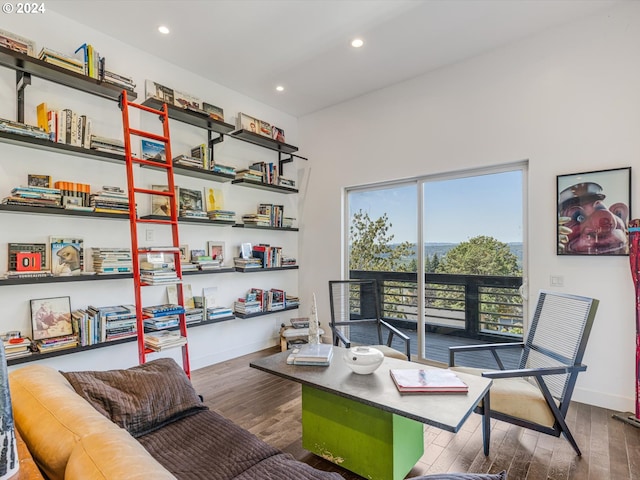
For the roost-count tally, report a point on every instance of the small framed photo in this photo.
(184, 253)
(67, 255)
(190, 200)
(36, 180)
(153, 151)
(51, 317)
(593, 212)
(245, 250)
(216, 250)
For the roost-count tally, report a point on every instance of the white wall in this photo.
(566, 100)
(208, 344)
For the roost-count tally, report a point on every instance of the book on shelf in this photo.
(427, 380)
(153, 151)
(17, 43)
(311, 354)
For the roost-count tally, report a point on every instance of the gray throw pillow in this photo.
(140, 399)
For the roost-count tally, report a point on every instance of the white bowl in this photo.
(363, 360)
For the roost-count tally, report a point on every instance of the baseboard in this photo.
(601, 399)
(234, 352)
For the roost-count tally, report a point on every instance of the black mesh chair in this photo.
(537, 394)
(355, 318)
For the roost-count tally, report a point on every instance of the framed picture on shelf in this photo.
(67, 255)
(213, 199)
(36, 180)
(190, 199)
(153, 151)
(51, 317)
(216, 250)
(245, 250)
(161, 205)
(593, 211)
(184, 253)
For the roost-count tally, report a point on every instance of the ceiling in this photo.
(251, 46)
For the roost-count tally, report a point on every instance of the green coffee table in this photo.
(362, 422)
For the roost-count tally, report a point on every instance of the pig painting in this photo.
(587, 226)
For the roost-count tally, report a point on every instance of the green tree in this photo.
(371, 245)
(480, 255)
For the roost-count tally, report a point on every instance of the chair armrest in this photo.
(404, 337)
(338, 336)
(535, 372)
(493, 347)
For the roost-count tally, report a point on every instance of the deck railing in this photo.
(473, 306)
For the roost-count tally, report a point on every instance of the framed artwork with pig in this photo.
(594, 209)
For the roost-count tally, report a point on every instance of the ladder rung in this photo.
(153, 163)
(154, 192)
(159, 222)
(153, 136)
(145, 108)
(174, 250)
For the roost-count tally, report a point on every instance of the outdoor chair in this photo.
(537, 394)
(355, 308)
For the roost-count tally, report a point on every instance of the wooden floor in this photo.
(269, 407)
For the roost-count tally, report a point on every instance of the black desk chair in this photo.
(355, 304)
(537, 394)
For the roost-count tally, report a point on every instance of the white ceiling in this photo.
(251, 46)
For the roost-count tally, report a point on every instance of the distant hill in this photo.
(442, 248)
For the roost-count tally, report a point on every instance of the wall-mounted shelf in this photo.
(200, 221)
(190, 117)
(270, 269)
(266, 142)
(49, 146)
(34, 357)
(260, 227)
(47, 71)
(195, 172)
(61, 211)
(264, 186)
(260, 314)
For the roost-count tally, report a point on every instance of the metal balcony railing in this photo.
(482, 307)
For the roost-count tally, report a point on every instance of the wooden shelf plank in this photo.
(190, 117)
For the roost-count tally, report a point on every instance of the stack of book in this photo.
(17, 347)
(226, 169)
(110, 200)
(118, 80)
(109, 145)
(160, 317)
(249, 304)
(427, 380)
(248, 174)
(34, 197)
(193, 315)
(103, 324)
(226, 215)
(215, 313)
(247, 263)
(291, 301)
(61, 60)
(269, 171)
(56, 343)
(286, 182)
(22, 129)
(270, 257)
(275, 299)
(163, 340)
(112, 260)
(256, 219)
(188, 161)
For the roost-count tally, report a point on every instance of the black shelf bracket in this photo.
(22, 80)
(213, 141)
(288, 159)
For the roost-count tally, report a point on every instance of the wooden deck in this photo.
(270, 407)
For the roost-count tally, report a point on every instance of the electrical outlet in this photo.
(556, 281)
(150, 235)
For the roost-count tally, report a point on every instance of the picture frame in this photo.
(593, 210)
(216, 251)
(153, 151)
(184, 253)
(190, 200)
(245, 250)
(51, 317)
(67, 255)
(160, 204)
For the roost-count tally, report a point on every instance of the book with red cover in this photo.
(427, 380)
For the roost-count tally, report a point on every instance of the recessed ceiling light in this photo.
(164, 30)
(280, 88)
(357, 43)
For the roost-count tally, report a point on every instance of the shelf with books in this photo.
(264, 186)
(264, 227)
(261, 140)
(47, 71)
(190, 117)
(268, 312)
(260, 269)
(200, 221)
(195, 172)
(209, 271)
(63, 148)
(61, 211)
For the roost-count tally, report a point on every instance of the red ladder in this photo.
(134, 220)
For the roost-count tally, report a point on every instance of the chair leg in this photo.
(486, 423)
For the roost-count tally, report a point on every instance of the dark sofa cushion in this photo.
(140, 399)
(464, 476)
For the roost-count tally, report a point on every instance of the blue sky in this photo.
(455, 210)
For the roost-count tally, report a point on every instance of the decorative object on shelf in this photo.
(314, 325)
(582, 211)
(634, 261)
(9, 463)
(216, 251)
(51, 317)
(363, 360)
(67, 256)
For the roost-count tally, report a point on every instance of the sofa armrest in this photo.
(113, 455)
